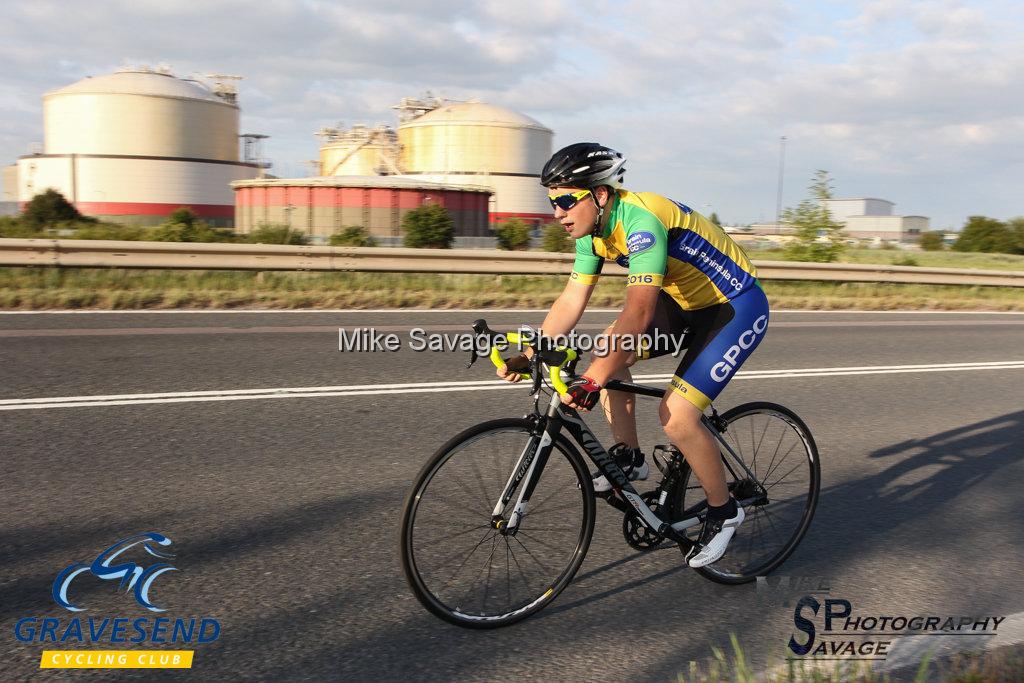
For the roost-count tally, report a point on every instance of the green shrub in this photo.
(183, 225)
(49, 208)
(931, 241)
(275, 233)
(553, 237)
(513, 234)
(352, 236)
(905, 261)
(429, 226)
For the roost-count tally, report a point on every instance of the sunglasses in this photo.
(568, 200)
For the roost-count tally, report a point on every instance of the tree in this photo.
(714, 219)
(50, 208)
(931, 241)
(352, 236)
(555, 238)
(429, 226)
(183, 225)
(1016, 226)
(513, 234)
(982, 233)
(818, 237)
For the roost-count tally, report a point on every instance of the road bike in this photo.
(500, 517)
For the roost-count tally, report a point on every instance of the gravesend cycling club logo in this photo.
(131, 571)
(130, 574)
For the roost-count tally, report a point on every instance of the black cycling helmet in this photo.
(586, 165)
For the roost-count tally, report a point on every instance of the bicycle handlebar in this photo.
(544, 351)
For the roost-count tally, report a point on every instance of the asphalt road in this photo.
(283, 511)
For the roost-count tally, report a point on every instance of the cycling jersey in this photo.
(667, 244)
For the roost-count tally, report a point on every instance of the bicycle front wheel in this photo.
(464, 569)
(778, 449)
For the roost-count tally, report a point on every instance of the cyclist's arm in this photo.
(570, 304)
(634, 320)
(647, 242)
(568, 307)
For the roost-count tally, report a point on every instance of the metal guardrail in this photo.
(219, 256)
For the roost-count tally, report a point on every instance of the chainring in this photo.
(637, 534)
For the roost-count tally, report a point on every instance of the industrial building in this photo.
(462, 144)
(135, 145)
(870, 218)
(319, 207)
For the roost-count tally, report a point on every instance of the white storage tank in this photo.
(358, 151)
(135, 145)
(479, 144)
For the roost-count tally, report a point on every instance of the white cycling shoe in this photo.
(714, 539)
(633, 473)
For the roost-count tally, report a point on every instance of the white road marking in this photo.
(438, 387)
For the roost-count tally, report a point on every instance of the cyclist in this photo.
(684, 271)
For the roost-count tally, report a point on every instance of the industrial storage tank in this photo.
(137, 144)
(359, 150)
(319, 207)
(473, 143)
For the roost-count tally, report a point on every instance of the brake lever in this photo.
(535, 374)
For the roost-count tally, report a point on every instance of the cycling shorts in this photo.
(722, 337)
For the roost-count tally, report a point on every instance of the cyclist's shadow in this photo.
(929, 474)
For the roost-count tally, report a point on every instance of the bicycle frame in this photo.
(532, 460)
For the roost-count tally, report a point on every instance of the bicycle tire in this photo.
(728, 570)
(565, 471)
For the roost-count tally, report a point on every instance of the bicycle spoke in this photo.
(455, 535)
(526, 583)
(461, 508)
(538, 541)
(795, 467)
(540, 506)
(769, 472)
(486, 538)
(768, 516)
(487, 565)
(480, 481)
(530, 553)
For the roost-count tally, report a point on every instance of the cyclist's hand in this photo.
(583, 393)
(518, 363)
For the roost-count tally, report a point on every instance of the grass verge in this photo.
(122, 289)
(1004, 665)
(924, 259)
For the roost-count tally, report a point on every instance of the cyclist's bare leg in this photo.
(620, 411)
(619, 406)
(681, 420)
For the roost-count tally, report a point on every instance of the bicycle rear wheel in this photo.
(778, 448)
(458, 564)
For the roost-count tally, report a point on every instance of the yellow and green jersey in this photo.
(667, 244)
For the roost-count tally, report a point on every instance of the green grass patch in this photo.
(121, 289)
(925, 259)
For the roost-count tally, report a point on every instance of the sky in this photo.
(917, 102)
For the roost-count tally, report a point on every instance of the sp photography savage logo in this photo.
(130, 571)
(833, 629)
